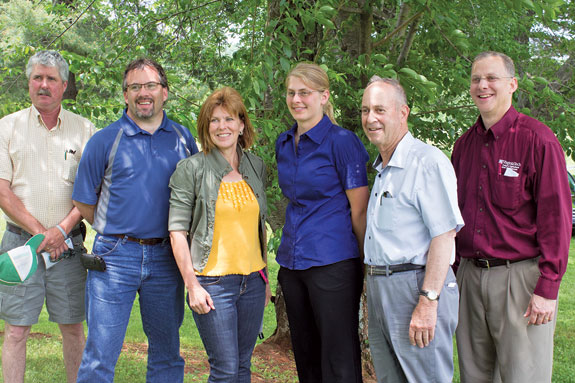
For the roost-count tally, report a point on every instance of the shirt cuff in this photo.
(547, 289)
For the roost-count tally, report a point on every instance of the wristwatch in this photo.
(430, 294)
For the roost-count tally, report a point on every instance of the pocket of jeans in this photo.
(208, 281)
(104, 245)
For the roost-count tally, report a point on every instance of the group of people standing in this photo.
(170, 219)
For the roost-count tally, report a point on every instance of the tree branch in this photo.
(398, 29)
(408, 42)
(450, 43)
(155, 21)
(444, 109)
(72, 24)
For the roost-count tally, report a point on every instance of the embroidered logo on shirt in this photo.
(511, 168)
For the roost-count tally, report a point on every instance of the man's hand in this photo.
(200, 300)
(54, 243)
(423, 320)
(540, 310)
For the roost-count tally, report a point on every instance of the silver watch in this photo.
(430, 294)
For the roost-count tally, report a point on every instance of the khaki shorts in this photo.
(62, 286)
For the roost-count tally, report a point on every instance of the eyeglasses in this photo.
(490, 78)
(151, 86)
(300, 93)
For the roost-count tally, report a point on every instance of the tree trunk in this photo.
(71, 91)
(281, 335)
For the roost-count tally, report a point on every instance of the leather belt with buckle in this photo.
(485, 263)
(141, 241)
(390, 269)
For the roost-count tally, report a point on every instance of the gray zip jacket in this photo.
(195, 185)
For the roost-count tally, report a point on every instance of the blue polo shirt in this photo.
(329, 160)
(129, 183)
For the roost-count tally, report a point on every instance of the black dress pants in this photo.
(323, 312)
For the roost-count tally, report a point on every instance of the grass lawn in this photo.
(44, 360)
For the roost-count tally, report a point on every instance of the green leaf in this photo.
(528, 4)
(285, 64)
(409, 72)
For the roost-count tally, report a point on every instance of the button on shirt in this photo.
(414, 199)
(41, 164)
(131, 192)
(329, 160)
(514, 195)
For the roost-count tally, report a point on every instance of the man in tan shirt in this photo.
(40, 148)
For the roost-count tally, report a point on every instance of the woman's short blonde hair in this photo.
(229, 99)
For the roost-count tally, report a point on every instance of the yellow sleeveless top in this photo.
(236, 245)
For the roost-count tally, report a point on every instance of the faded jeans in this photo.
(150, 271)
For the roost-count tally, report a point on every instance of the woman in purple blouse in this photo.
(322, 172)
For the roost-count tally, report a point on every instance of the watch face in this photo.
(431, 295)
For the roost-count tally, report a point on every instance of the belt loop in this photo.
(387, 272)
(507, 264)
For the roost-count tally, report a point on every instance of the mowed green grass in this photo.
(44, 360)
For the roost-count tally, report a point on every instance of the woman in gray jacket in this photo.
(218, 202)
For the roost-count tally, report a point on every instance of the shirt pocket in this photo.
(505, 192)
(70, 168)
(385, 217)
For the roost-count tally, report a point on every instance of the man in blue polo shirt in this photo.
(122, 190)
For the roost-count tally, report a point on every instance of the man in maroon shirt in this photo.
(515, 200)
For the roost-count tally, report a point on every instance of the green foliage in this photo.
(251, 46)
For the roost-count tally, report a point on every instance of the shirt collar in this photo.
(38, 117)
(131, 128)
(501, 126)
(317, 133)
(400, 154)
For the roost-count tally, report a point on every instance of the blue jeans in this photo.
(151, 271)
(229, 332)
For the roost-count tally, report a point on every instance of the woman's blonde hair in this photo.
(229, 99)
(316, 78)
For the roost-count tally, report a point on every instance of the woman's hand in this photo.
(200, 301)
(268, 293)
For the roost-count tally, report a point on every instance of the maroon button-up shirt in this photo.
(514, 196)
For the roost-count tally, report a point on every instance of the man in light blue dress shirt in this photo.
(412, 219)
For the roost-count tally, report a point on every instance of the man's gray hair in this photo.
(507, 62)
(399, 91)
(50, 59)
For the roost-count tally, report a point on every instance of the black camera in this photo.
(93, 262)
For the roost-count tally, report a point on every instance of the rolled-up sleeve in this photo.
(437, 196)
(351, 159)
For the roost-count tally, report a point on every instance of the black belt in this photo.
(485, 263)
(141, 241)
(19, 231)
(388, 270)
